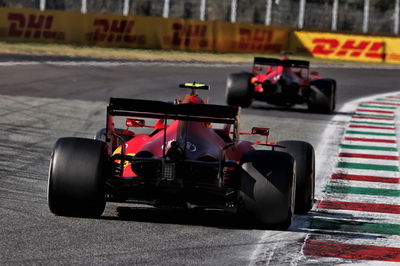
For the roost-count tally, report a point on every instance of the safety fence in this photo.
(32, 25)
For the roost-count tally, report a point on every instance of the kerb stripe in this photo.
(368, 156)
(348, 251)
(358, 206)
(371, 117)
(384, 103)
(371, 127)
(368, 153)
(366, 178)
(375, 115)
(387, 99)
(355, 226)
(394, 97)
(374, 111)
(362, 147)
(371, 123)
(366, 166)
(362, 191)
(370, 140)
(370, 133)
(379, 107)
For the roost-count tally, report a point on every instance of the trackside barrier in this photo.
(73, 27)
(186, 34)
(138, 32)
(347, 47)
(32, 25)
(147, 32)
(250, 38)
(119, 31)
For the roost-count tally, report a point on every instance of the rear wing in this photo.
(278, 62)
(158, 109)
(194, 85)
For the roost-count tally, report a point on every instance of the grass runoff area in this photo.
(150, 54)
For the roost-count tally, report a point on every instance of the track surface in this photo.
(42, 102)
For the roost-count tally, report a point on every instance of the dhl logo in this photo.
(31, 26)
(352, 48)
(188, 35)
(259, 40)
(115, 31)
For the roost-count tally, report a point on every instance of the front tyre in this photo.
(76, 177)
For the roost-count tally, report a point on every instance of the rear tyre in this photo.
(303, 153)
(76, 177)
(322, 98)
(268, 186)
(238, 89)
(334, 90)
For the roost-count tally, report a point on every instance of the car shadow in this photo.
(314, 223)
(295, 109)
(199, 217)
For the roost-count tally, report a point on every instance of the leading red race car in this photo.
(282, 82)
(184, 159)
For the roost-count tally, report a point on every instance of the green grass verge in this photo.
(147, 54)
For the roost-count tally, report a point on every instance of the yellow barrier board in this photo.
(249, 38)
(139, 32)
(120, 31)
(347, 47)
(42, 26)
(20, 24)
(105, 30)
(186, 34)
(392, 50)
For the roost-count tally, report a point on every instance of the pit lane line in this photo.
(325, 166)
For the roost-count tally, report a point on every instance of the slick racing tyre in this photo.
(322, 98)
(268, 187)
(238, 89)
(303, 153)
(76, 177)
(334, 90)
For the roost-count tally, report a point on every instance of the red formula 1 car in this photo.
(282, 82)
(185, 153)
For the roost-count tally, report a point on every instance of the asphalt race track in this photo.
(42, 99)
